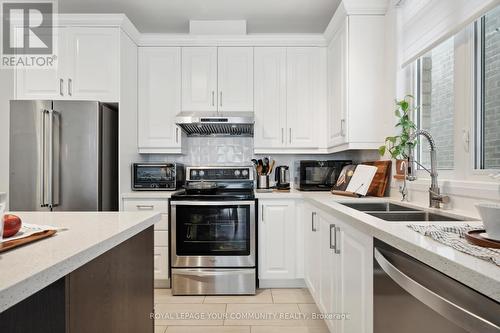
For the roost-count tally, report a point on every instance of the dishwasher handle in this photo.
(446, 308)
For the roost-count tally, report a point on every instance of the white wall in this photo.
(6, 94)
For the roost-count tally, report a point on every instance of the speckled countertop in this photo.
(476, 273)
(87, 235)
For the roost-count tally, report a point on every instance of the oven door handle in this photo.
(211, 272)
(446, 308)
(211, 203)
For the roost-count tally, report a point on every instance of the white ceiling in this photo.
(172, 16)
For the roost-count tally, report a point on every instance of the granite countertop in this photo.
(85, 236)
(476, 273)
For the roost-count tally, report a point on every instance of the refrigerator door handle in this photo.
(42, 159)
(53, 156)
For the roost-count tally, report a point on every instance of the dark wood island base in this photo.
(112, 293)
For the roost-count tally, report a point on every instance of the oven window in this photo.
(320, 175)
(213, 230)
(147, 174)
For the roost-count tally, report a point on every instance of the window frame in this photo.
(467, 105)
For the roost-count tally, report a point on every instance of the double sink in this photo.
(397, 213)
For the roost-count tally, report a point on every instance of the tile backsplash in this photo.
(239, 151)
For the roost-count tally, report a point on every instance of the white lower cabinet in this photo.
(338, 271)
(160, 234)
(278, 262)
(312, 260)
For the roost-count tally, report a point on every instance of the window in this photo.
(487, 122)
(435, 98)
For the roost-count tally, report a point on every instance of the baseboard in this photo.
(282, 283)
(162, 284)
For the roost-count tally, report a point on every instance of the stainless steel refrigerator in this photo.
(63, 156)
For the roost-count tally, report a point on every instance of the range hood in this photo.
(216, 123)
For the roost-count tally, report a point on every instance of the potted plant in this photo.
(398, 146)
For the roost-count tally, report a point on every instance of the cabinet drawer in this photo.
(156, 205)
(161, 238)
(160, 263)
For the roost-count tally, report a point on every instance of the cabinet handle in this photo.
(290, 136)
(70, 87)
(176, 134)
(213, 98)
(336, 231)
(342, 125)
(282, 135)
(262, 213)
(61, 83)
(145, 207)
(332, 246)
(312, 222)
(221, 98)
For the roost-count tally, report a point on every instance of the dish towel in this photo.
(454, 236)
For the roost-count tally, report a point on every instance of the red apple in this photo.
(11, 225)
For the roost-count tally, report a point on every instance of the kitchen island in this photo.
(94, 275)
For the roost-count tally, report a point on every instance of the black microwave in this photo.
(313, 175)
(157, 176)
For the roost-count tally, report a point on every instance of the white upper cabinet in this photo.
(199, 79)
(290, 98)
(304, 73)
(88, 68)
(337, 89)
(93, 67)
(217, 79)
(159, 99)
(357, 116)
(235, 78)
(277, 258)
(270, 97)
(43, 83)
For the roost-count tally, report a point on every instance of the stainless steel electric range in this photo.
(213, 233)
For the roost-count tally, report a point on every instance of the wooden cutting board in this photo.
(381, 179)
(9, 245)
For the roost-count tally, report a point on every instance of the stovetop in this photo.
(233, 183)
(219, 195)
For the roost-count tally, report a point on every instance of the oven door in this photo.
(213, 233)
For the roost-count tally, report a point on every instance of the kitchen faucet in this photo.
(435, 198)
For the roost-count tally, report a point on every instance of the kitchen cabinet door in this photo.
(270, 97)
(93, 66)
(312, 249)
(235, 79)
(199, 79)
(160, 262)
(327, 269)
(337, 87)
(44, 83)
(354, 290)
(159, 99)
(304, 84)
(277, 258)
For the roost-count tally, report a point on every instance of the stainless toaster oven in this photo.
(157, 176)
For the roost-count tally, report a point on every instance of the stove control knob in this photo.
(244, 173)
(194, 173)
(202, 173)
(237, 173)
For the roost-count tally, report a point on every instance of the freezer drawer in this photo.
(213, 281)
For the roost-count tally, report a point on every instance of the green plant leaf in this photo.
(381, 150)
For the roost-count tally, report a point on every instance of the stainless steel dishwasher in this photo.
(411, 297)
